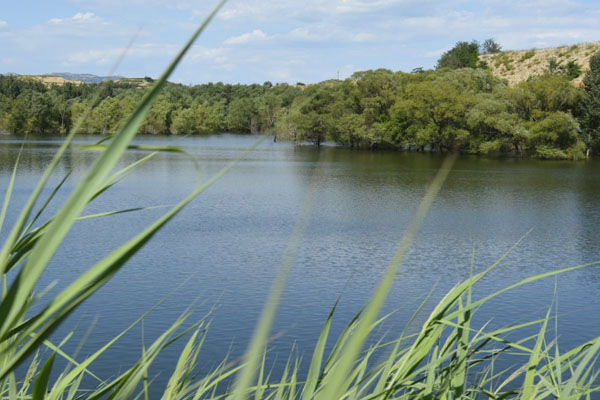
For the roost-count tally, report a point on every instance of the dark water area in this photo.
(225, 248)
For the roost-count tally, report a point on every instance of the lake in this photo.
(225, 248)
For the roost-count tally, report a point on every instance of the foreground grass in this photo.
(447, 358)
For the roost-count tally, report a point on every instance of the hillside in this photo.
(60, 78)
(50, 79)
(139, 82)
(86, 78)
(518, 66)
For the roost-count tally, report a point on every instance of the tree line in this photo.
(463, 108)
(31, 107)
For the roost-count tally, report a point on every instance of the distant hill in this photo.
(60, 78)
(85, 78)
(48, 79)
(517, 66)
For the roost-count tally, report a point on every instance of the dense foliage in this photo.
(462, 55)
(465, 109)
(30, 107)
(590, 118)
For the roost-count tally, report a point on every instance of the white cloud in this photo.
(325, 33)
(436, 53)
(144, 51)
(267, 10)
(306, 41)
(347, 70)
(79, 18)
(282, 74)
(568, 34)
(110, 55)
(7, 60)
(70, 34)
(363, 37)
(303, 34)
(361, 6)
(218, 55)
(255, 35)
(103, 56)
(83, 25)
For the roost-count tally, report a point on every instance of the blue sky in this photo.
(279, 41)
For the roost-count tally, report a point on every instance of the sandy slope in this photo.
(51, 80)
(517, 66)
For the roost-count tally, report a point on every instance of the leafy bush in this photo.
(553, 66)
(572, 70)
(577, 151)
(546, 152)
(529, 54)
(556, 129)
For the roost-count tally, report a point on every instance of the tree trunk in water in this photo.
(587, 154)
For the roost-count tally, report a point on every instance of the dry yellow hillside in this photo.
(517, 66)
(51, 80)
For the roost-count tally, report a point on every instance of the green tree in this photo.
(547, 93)
(590, 116)
(490, 46)
(555, 136)
(5, 106)
(349, 130)
(432, 114)
(572, 70)
(159, 117)
(462, 55)
(62, 109)
(312, 127)
(105, 118)
(471, 80)
(493, 127)
(269, 107)
(242, 116)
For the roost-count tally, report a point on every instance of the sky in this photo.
(253, 41)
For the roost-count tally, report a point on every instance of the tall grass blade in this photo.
(333, 384)
(13, 306)
(9, 189)
(257, 344)
(528, 390)
(43, 251)
(317, 358)
(40, 387)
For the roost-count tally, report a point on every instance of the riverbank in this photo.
(468, 110)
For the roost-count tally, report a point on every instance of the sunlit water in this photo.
(225, 248)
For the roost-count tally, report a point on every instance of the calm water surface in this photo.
(224, 249)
